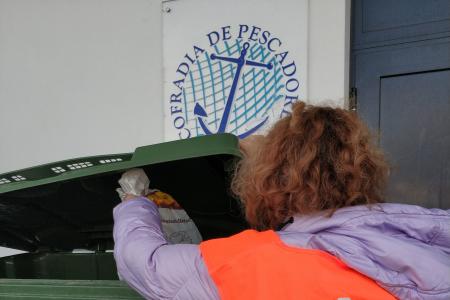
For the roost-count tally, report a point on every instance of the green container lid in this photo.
(68, 204)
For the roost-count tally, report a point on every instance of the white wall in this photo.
(84, 77)
(78, 78)
(329, 51)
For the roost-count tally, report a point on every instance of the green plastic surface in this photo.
(73, 266)
(22, 289)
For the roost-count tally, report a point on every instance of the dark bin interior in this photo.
(52, 216)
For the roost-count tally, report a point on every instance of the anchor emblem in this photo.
(201, 113)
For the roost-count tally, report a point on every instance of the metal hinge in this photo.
(353, 99)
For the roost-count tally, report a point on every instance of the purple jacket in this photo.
(404, 248)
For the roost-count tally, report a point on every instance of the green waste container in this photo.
(61, 213)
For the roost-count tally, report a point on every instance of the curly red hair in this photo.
(316, 159)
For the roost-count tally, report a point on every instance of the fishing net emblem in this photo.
(234, 87)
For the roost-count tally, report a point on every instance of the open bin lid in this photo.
(68, 204)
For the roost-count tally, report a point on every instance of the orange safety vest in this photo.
(258, 265)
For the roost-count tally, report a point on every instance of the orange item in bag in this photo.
(162, 199)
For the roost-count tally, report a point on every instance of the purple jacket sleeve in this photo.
(149, 264)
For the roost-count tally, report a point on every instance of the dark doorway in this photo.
(401, 72)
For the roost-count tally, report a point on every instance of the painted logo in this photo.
(239, 84)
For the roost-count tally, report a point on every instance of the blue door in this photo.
(401, 72)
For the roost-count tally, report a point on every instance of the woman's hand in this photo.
(133, 183)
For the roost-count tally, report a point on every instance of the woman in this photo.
(318, 179)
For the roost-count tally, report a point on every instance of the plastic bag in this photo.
(177, 226)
